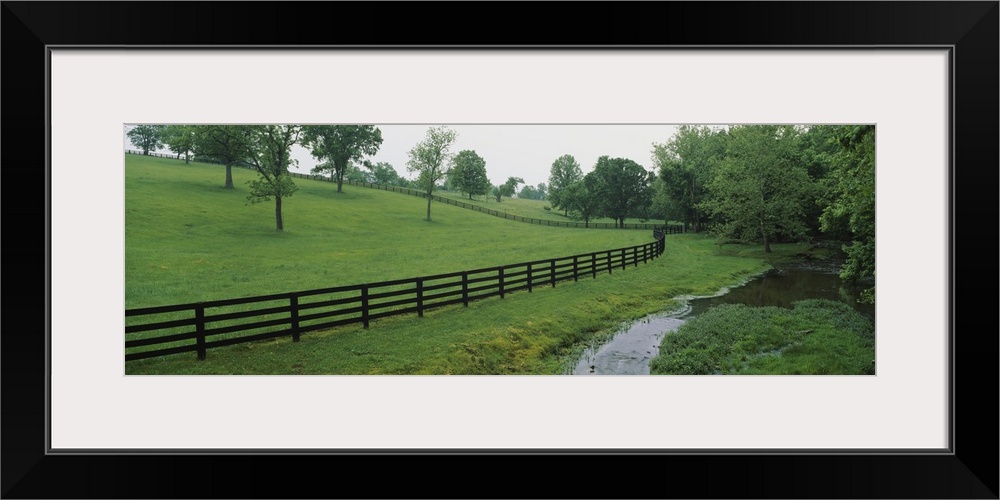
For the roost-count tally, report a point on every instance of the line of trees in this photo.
(759, 184)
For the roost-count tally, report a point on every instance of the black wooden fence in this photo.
(667, 229)
(197, 327)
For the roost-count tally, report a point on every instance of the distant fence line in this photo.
(667, 229)
(197, 327)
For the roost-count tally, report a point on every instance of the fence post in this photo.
(501, 281)
(623, 258)
(576, 269)
(609, 261)
(364, 305)
(420, 297)
(465, 288)
(593, 263)
(529, 277)
(294, 299)
(199, 317)
(552, 272)
(635, 256)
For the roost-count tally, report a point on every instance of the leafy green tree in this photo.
(180, 140)
(507, 188)
(564, 172)
(146, 137)
(582, 199)
(228, 144)
(622, 188)
(528, 192)
(686, 163)
(383, 174)
(853, 187)
(760, 191)
(468, 173)
(543, 191)
(338, 145)
(429, 158)
(269, 151)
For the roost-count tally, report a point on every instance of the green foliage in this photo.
(852, 188)
(429, 159)
(583, 199)
(565, 172)
(507, 189)
(180, 140)
(338, 145)
(468, 173)
(269, 151)
(228, 144)
(816, 336)
(760, 192)
(146, 137)
(622, 187)
(686, 164)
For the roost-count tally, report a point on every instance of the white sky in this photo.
(525, 151)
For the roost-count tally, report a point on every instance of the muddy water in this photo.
(631, 349)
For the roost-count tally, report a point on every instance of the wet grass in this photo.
(814, 337)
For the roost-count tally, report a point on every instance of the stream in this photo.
(630, 349)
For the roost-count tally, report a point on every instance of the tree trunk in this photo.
(767, 245)
(277, 213)
(187, 158)
(229, 175)
(428, 206)
(622, 220)
(340, 182)
(470, 196)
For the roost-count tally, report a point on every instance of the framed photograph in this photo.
(923, 73)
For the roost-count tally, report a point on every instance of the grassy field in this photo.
(530, 208)
(187, 239)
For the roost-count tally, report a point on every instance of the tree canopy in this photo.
(180, 140)
(564, 172)
(622, 187)
(429, 159)
(336, 146)
(760, 191)
(146, 137)
(468, 173)
(269, 151)
(686, 164)
(224, 143)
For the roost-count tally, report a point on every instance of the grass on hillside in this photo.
(187, 239)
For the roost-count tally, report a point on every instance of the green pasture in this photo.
(187, 239)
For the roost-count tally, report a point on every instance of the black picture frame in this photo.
(969, 471)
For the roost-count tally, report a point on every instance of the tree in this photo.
(146, 137)
(468, 173)
(383, 174)
(225, 143)
(528, 192)
(507, 188)
(269, 151)
(565, 171)
(622, 187)
(581, 198)
(759, 191)
(685, 163)
(429, 158)
(854, 200)
(543, 191)
(180, 140)
(336, 146)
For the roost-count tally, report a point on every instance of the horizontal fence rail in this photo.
(667, 229)
(197, 327)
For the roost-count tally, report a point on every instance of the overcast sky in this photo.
(525, 151)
